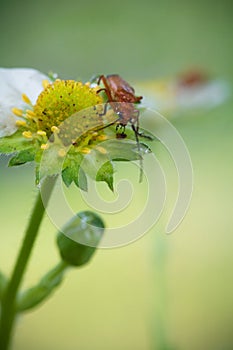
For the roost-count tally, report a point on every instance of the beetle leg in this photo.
(101, 77)
(106, 126)
(122, 134)
(105, 110)
(139, 152)
(137, 120)
(103, 89)
(106, 89)
(122, 128)
(141, 134)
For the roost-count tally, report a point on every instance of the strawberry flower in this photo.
(67, 121)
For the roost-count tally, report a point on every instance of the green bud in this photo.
(86, 227)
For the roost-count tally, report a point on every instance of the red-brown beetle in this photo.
(121, 96)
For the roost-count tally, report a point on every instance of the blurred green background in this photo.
(161, 292)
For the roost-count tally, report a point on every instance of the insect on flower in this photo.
(121, 97)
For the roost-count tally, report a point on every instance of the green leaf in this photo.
(3, 284)
(79, 238)
(105, 173)
(35, 295)
(14, 143)
(22, 157)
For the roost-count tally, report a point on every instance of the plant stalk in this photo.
(8, 307)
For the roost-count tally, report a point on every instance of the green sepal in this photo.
(79, 238)
(3, 284)
(93, 165)
(14, 143)
(72, 172)
(50, 162)
(35, 295)
(126, 150)
(105, 173)
(75, 174)
(22, 157)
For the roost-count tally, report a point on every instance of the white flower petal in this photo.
(14, 82)
(169, 96)
(7, 122)
(207, 95)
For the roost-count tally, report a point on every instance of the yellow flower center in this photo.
(56, 103)
(60, 100)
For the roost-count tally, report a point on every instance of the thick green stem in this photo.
(8, 310)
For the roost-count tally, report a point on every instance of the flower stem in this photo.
(8, 310)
